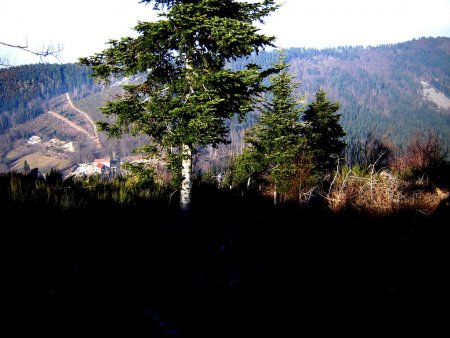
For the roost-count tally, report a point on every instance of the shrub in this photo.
(424, 156)
(380, 193)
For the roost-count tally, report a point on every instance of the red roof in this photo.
(101, 160)
(100, 165)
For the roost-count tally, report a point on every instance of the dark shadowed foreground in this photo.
(234, 267)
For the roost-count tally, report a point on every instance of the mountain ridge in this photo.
(392, 90)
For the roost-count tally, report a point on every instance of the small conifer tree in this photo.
(323, 133)
(276, 139)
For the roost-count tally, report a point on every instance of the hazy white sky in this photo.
(84, 26)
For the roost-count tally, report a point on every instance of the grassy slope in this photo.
(45, 162)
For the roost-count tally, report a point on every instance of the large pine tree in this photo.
(188, 93)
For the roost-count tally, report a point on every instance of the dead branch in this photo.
(46, 51)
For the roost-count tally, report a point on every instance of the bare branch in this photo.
(46, 51)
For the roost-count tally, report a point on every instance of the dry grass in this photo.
(381, 193)
(12, 155)
(44, 162)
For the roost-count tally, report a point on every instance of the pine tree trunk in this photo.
(186, 183)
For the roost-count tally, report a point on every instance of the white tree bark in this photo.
(186, 183)
(276, 196)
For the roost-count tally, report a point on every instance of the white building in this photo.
(34, 139)
(101, 166)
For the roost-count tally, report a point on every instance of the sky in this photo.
(83, 27)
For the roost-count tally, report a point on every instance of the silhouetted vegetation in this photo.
(119, 256)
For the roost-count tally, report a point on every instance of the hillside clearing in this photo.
(43, 162)
(435, 96)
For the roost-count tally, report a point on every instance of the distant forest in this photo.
(380, 89)
(26, 90)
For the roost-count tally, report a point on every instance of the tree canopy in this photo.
(187, 94)
(323, 132)
(276, 139)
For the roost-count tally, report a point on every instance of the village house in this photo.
(112, 164)
(58, 144)
(34, 139)
(105, 161)
(83, 169)
(100, 166)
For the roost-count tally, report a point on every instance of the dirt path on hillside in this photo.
(86, 115)
(70, 123)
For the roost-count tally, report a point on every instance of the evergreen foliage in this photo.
(287, 141)
(188, 94)
(276, 139)
(379, 88)
(26, 167)
(323, 133)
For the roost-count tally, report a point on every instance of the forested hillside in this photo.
(390, 91)
(28, 96)
(26, 90)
